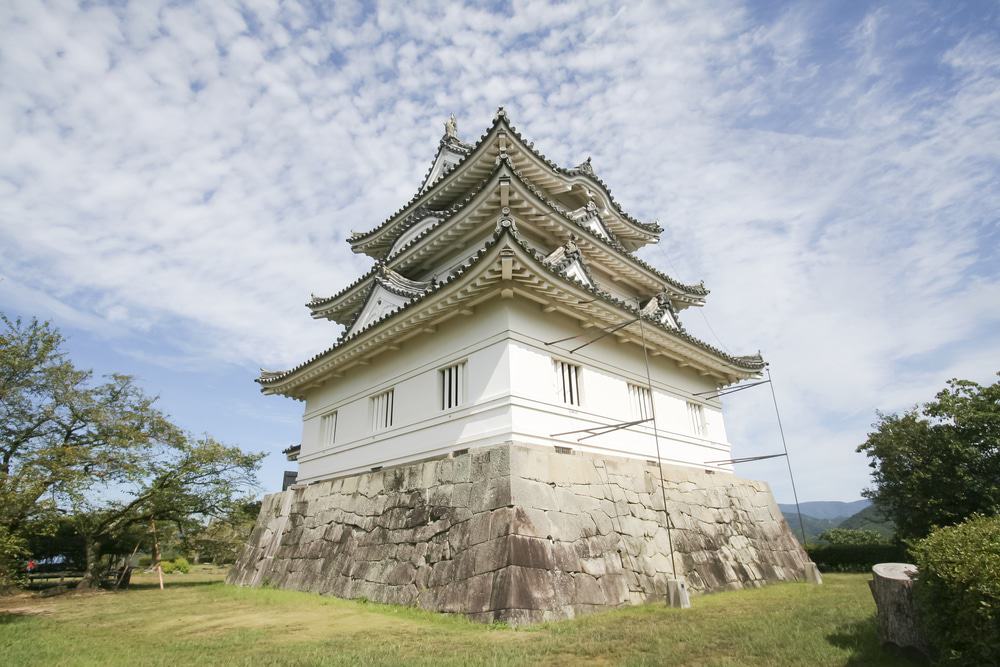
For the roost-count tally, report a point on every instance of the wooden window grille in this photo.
(328, 429)
(452, 386)
(641, 401)
(696, 415)
(568, 382)
(382, 405)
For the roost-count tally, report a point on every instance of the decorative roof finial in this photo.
(451, 128)
(571, 247)
(501, 112)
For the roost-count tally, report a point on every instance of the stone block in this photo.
(518, 587)
(588, 591)
(565, 557)
(530, 522)
(532, 494)
(489, 494)
(534, 552)
(491, 556)
(478, 528)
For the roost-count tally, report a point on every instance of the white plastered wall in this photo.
(420, 428)
(380, 302)
(510, 395)
(606, 368)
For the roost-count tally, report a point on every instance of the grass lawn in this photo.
(198, 620)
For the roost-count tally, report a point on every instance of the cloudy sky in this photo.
(176, 179)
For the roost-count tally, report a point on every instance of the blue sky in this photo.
(176, 179)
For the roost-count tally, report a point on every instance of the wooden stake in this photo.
(156, 554)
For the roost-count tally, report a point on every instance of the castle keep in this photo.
(514, 423)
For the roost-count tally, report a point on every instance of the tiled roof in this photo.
(322, 300)
(268, 377)
(585, 169)
(750, 363)
(698, 289)
(501, 117)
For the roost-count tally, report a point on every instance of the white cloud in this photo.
(195, 168)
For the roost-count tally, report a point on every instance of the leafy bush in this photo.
(958, 591)
(854, 557)
(144, 561)
(12, 559)
(851, 536)
(179, 565)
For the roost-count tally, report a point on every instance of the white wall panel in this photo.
(510, 395)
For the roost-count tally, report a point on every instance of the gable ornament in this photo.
(451, 127)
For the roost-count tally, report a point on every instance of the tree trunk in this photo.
(892, 588)
(92, 575)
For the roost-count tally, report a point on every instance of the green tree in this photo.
(937, 465)
(182, 482)
(851, 536)
(60, 432)
(221, 539)
(100, 451)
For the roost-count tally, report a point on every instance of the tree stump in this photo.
(892, 588)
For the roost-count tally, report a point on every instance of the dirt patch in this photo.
(24, 611)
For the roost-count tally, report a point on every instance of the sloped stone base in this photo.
(520, 534)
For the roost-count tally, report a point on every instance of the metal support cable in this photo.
(606, 333)
(745, 459)
(788, 460)
(656, 439)
(603, 429)
(717, 393)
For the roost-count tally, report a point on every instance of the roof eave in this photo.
(727, 367)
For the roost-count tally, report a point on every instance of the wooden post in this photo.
(156, 554)
(892, 588)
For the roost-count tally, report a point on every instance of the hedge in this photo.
(854, 557)
(958, 591)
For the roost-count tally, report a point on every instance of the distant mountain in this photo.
(818, 516)
(811, 524)
(870, 518)
(827, 509)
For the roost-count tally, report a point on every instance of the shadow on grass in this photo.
(7, 618)
(861, 639)
(53, 589)
(145, 586)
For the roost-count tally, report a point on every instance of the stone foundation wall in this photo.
(520, 534)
